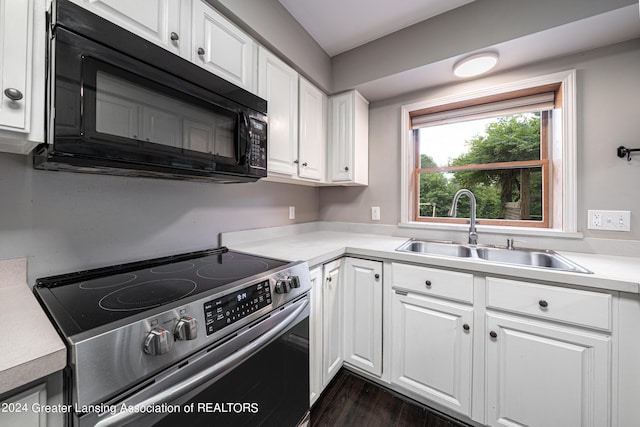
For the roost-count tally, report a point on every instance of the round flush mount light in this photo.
(475, 65)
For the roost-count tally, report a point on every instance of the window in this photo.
(512, 146)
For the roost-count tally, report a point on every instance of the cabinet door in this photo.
(158, 21)
(349, 139)
(312, 143)
(15, 64)
(278, 84)
(332, 323)
(222, 48)
(363, 314)
(315, 335)
(17, 411)
(541, 375)
(341, 138)
(432, 349)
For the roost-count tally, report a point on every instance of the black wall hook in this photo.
(624, 151)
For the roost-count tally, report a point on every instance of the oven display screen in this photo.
(233, 307)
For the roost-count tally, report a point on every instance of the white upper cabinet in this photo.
(278, 84)
(349, 139)
(313, 132)
(222, 48)
(191, 29)
(22, 75)
(163, 22)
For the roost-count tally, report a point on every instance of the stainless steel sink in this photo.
(525, 257)
(529, 258)
(436, 248)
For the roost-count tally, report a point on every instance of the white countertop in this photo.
(613, 273)
(31, 347)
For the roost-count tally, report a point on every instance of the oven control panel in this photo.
(226, 310)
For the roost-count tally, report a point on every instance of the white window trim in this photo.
(569, 152)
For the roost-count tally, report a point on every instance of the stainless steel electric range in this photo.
(211, 337)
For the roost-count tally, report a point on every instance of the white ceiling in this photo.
(361, 21)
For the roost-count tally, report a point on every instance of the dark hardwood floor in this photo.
(350, 400)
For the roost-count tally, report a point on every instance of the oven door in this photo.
(256, 377)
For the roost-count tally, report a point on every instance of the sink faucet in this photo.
(473, 235)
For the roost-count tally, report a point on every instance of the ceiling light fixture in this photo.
(475, 65)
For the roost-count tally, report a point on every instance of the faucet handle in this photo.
(511, 241)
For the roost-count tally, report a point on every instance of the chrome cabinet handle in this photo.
(13, 94)
(493, 335)
(542, 303)
(200, 51)
(174, 36)
(346, 168)
(305, 164)
(427, 283)
(377, 276)
(466, 327)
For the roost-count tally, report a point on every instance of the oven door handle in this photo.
(217, 370)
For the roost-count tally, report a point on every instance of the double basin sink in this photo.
(524, 257)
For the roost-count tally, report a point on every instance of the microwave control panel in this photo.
(258, 152)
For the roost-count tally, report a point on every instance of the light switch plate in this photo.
(609, 220)
(375, 213)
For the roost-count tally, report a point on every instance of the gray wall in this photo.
(65, 221)
(608, 82)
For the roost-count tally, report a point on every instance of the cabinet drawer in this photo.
(431, 281)
(549, 302)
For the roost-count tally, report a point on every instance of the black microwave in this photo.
(120, 105)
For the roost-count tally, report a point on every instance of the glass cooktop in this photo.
(85, 300)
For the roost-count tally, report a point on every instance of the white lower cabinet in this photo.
(431, 346)
(332, 321)
(22, 410)
(315, 335)
(363, 314)
(549, 357)
(492, 351)
(546, 375)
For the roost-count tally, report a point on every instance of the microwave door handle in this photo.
(218, 369)
(243, 150)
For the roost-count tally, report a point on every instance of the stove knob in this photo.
(295, 281)
(186, 329)
(283, 286)
(158, 342)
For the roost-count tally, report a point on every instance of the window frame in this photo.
(562, 157)
(543, 163)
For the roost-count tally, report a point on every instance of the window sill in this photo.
(493, 230)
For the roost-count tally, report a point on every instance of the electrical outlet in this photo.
(292, 212)
(375, 213)
(609, 220)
